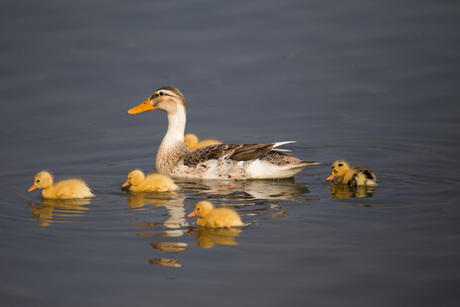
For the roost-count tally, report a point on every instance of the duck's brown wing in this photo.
(236, 152)
(284, 159)
(251, 152)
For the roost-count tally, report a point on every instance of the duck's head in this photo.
(42, 180)
(134, 178)
(202, 209)
(338, 169)
(166, 98)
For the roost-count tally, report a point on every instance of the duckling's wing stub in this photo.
(362, 176)
(368, 174)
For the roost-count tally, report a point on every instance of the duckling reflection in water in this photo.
(208, 237)
(57, 210)
(354, 176)
(193, 142)
(64, 189)
(342, 191)
(138, 182)
(211, 217)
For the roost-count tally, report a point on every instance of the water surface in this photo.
(374, 83)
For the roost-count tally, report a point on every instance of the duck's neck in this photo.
(172, 148)
(176, 127)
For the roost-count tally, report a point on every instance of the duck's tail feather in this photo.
(281, 144)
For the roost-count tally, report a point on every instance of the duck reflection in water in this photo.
(170, 248)
(168, 262)
(277, 189)
(175, 224)
(58, 210)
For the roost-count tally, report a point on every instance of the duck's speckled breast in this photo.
(169, 158)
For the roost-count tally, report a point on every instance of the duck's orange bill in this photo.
(192, 214)
(125, 184)
(145, 106)
(32, 188)
(331, 177)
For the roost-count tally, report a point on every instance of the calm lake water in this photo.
(376, 83)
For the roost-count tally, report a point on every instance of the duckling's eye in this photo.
(197, 209)
(340, 164)
(38, 180)
(161, 94)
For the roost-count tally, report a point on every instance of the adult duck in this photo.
(219, 161)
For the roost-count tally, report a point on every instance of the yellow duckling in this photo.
(354, 176)
(64, 189)
(155, 182)
(208, 216)
(192, 141)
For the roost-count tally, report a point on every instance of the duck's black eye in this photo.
(38, 180)
(197, 209)
(340, 164)
(161, 94)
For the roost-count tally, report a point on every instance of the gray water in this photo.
(376, 83)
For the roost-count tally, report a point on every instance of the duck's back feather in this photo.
(239, 152)
(210, 152)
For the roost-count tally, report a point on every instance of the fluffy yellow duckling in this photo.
(155, 182)
(192, 141)
(64, 189)
(353, 176)
(208, 216)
